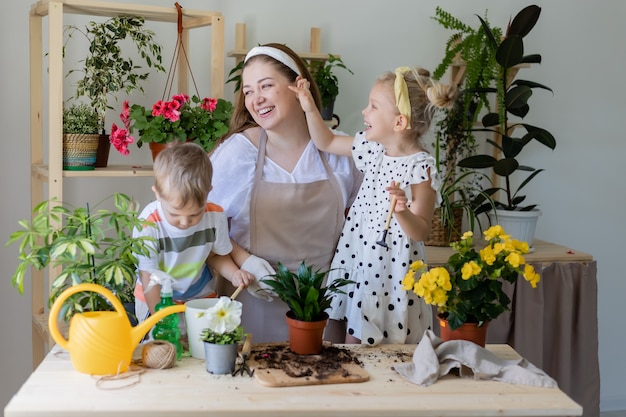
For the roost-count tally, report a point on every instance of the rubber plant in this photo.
(512, 98)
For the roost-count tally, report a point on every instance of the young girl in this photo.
(399, 177)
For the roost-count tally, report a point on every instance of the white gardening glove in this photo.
(260, 268)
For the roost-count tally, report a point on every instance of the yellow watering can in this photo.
(102, 342)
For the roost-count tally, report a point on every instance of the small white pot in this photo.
(519, 224)
(195, 324)
(220, 359)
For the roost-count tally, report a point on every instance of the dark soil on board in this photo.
(329, 362)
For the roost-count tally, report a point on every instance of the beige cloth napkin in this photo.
(434, 358)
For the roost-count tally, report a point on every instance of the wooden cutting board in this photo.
(276, 366)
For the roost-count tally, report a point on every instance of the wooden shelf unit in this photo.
(51, 172)
(314, 54)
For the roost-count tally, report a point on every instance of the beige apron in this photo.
(289, 222)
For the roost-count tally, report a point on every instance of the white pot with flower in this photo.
(223, 334)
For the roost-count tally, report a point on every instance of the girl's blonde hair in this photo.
(425, 96)
(183, 174)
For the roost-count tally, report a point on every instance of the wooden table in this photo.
(554, 326)
(56, 389)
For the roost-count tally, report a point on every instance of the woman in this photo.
(285, 199)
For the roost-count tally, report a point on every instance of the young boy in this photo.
(190, 233)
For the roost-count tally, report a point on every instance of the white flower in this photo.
(224, 316)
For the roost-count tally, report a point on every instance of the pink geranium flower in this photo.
(120, 139)
(209, 104)
(183, 118)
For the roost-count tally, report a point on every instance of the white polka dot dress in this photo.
(376, 308)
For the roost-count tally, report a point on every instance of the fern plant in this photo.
(472, 46)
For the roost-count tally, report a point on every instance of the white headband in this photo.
(275, 53)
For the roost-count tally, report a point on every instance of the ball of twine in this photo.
(158, 354)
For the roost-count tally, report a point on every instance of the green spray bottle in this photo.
(167, 328)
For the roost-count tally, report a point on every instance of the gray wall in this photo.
(580, 194)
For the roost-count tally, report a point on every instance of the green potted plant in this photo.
(222, 335)
(464, 190)
(90, 245)
(510, 135)
(178, 120)
(327, 82)
(106, 70)
(80, 137)
(468, 289)
(308, 298)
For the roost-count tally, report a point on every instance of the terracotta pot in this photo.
(305, 337)
(156, 148)
(468, 331)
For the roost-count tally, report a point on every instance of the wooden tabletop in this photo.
(542, 252)
(56, 389)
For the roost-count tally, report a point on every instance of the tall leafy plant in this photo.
(512, 98)
(468, 52)
(106, 70)
(91, 244)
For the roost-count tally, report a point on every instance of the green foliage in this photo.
(325, 78)
(106, 70)
(234, 76)
(91, 245)
(196, 122)
(476, 54)
(512, 97)
(304, 292)
(468, 288)
(462, 187)
(80, 119)
(228, 338)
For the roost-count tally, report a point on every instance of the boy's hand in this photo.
(241, 277)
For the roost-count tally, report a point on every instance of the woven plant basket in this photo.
(443, 236)
(79, 151)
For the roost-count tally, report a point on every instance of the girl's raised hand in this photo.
(304, 94)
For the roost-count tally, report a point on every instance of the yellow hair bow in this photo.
(402, 94)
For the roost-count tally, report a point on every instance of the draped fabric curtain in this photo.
(555, 327)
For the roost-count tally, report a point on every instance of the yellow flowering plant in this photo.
(468, 288)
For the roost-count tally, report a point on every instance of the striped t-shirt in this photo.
(182, 253)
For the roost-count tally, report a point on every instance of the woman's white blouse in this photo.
(234, 163)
